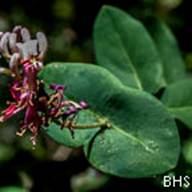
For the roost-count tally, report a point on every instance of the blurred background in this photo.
(68, 25)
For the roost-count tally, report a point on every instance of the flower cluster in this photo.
(25, 57)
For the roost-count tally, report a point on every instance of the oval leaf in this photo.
(125, 48)
(177, 97)
(143, 138)
(173, 64)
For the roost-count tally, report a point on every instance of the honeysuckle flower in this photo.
(25, 57)
(9, 112)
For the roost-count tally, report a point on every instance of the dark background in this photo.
(68, 25)
(71, 21)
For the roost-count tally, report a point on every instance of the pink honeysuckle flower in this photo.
(15, 91)
(32, 121)
(25, 56)
(9, 112)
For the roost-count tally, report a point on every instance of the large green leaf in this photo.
(173, 64)
(86, 117)
(177, 97)
(143, 138)
(125, 48)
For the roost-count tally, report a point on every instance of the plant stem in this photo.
(101, 123)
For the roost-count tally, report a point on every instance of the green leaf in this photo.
(143, 138)
(64, 137)
(124, 47)
(173, 64)
(12, 189)
(177, 97)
